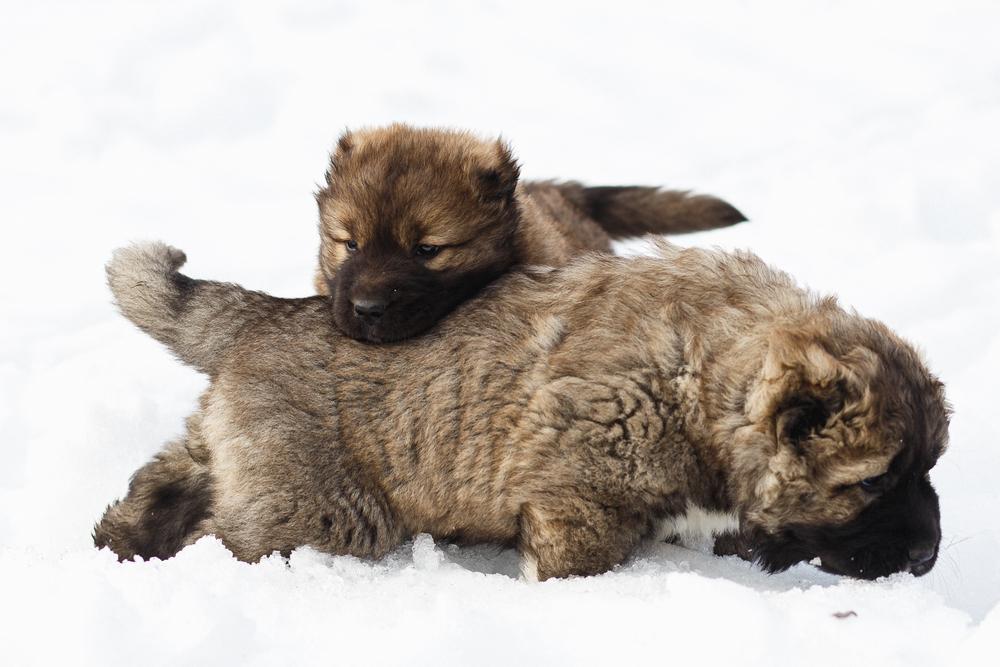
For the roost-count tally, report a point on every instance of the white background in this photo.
(861, 139)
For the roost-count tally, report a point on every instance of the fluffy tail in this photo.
(197, 319)
(633, 210)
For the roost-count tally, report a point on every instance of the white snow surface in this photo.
(861, 138)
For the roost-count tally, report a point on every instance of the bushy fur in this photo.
(568, 412)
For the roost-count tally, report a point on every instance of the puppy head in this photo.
(413, 222)
(851, 422)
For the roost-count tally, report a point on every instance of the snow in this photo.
(861, 138)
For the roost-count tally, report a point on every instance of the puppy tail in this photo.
(633, 210)
(198, 320)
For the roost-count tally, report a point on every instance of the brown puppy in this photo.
(571, 412)
(415, 221)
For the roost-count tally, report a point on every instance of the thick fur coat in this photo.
(572, 413)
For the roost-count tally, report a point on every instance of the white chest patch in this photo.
(529, 568)
(697, 526)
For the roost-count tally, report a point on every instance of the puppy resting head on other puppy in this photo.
(413, 222)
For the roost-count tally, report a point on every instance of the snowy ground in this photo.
(860, 137)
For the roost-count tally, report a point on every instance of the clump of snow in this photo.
(861, 138)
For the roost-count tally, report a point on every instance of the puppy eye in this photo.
(352, 245)
(426, 250)
(872, 483)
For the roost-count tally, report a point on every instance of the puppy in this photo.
(571, 412)
(415, 221)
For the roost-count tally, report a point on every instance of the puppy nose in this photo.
(920, 558)
(370, 309)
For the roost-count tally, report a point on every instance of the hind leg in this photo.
(329, 505)
(167, 500)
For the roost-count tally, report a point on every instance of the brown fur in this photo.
(568, 412)
(391, 190)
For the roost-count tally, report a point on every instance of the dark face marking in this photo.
(387, 294)
(898, 532)
(413, 223)
(896, 526)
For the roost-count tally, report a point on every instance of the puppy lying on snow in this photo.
(414, 221)
(569, 412)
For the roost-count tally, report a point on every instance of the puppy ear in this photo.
(801, 385)
(346, 145)
(497, 182)
(804, 415)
